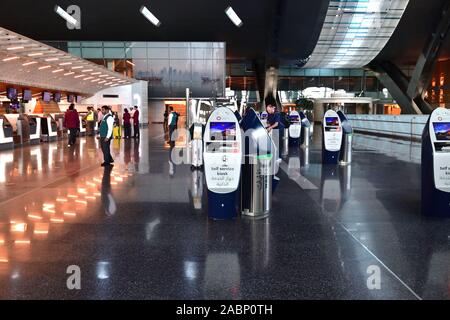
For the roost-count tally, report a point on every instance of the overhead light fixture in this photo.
(79, 76)
(35, 54)
(69, 73)
(103, 81)
(51, 59)
(103, 75)
(88, 78)
(95, 73)
(14, 48)
(44, 67)
(65, 15)
(87, 70)
(29, 63)
(65, 63)
(233, 17)
(79, 67)
(95, 80)
(58, 70)
(10, 58)
(150, 16)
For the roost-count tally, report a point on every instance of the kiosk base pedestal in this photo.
(222, 206)
(294, 142)
(330, 157)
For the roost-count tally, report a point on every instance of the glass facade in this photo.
(169, 67)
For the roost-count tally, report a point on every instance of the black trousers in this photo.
(136, 130)
(106, 149)
(127, 129)
(73, 136)
(172, 136)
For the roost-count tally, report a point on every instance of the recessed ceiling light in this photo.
(79, 67)
(29, 63)
(150, 16)
(95, 73)
(87, 70)
(233, 16)
(15, 48)
(65, 63)
(95, 80)
(35, 54)
(52, 59)
(79, 76)
(69, 73)
(88, 78)
(10, 58)
(103, 75)
(65, 15)
(44, 67)
(58, 70)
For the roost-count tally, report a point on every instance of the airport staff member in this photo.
(90, 121)
(136, 122)
(274, 122)
(72, 123)
(106, 132)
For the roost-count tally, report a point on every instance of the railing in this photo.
(408, 127)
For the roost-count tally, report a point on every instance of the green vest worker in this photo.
(106, 131)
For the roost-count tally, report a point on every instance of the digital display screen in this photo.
(442, 130)
(57, 97)
(46, 96)
(222, 130)
(11, 93)
(26, 95)
(264, 116)
(70, 98)
(294, 118)
(79, 98)
(332, 121)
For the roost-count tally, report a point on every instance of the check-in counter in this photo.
(6, 133)
(49, 128)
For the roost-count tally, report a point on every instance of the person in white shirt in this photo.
(106, 132)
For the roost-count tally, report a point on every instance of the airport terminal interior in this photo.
(261, 150)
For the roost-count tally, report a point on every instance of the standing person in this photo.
(166, 119)
(173, 124)
(99, 116)
(90, 121)
(127, 124)
(72, 123)
(136, 122)
(106, 132)
(274, 122)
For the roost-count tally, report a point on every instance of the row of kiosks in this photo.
(436, 164)
(336, 138)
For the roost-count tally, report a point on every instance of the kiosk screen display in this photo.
(11, 93)
(70, 98)
(294, 118)
(46, 96)
(27, 95)
(332, 121)
(442, 130)
(57, 97)
(223, 130)
(264, 116)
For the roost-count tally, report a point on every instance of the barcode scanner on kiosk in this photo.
(222, 154)
(332, 137)
(436, 164)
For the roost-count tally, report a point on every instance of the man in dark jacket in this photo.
(72, 123)
(136, 122)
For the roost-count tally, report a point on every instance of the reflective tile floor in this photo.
(140, 230)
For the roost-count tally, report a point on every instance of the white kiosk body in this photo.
(332, 137)
(295, 128)
(222, 153)
(263, 117)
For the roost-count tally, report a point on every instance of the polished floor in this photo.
(140, 230)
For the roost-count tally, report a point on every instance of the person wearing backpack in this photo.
(173, 125)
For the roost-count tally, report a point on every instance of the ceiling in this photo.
(284, 30)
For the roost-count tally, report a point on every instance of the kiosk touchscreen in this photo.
(436, 164)
(263, 117)
(295, 128)
(222, 153)
(332, 137)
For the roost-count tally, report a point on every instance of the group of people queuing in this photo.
(109, 127)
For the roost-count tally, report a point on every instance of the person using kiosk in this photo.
(222, 153)
(436, 164)
(274, 122)
(332, 137)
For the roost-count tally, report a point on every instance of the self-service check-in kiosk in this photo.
(436, 164)
(306, 129)
(82, 131)
(49, 128)
(35, 129)
(222, 162)
(258, 168)
(332, 138)
(295, 129)
(6, 134)
(345, 156)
